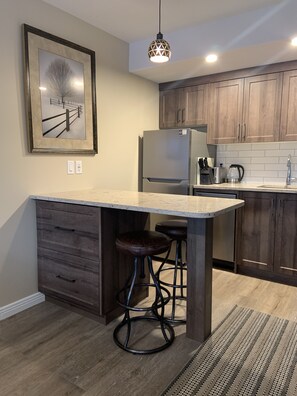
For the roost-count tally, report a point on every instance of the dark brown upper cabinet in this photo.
(184, 107)
(245, 110)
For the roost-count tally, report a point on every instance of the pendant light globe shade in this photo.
(159, 50)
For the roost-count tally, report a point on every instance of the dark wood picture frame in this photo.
(60, 89)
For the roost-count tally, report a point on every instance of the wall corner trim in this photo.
(21, 305)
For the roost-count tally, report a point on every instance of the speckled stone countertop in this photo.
(177, 205)
(269, 187)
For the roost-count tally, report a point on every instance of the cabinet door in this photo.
(169, 115)
(286, 237)
(184, 107)
(256, 231)
(225, 111)
(261, 114)
(289, 105)
(194, 105)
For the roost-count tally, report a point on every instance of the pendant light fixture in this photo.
(159, 50)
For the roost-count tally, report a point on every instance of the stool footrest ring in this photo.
(124, 323)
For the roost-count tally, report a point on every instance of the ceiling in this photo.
(244, 33)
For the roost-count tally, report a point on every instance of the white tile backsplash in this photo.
(271, 167)
(252, 153)
(263, 162)
(279, 153)
(265, 146)
(260, 160)
(239, 147)
(257, 167)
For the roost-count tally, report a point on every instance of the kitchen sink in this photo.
(279, 186)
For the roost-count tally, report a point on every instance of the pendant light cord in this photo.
(159, 16)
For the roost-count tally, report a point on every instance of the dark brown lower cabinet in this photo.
(78, 264)
(256, 231)
(285, 256)
(267, 236)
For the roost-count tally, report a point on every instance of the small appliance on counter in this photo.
(235, 173)
(205, 170)
(219, 174)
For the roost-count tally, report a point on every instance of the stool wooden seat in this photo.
(142, 245)
(177, 230)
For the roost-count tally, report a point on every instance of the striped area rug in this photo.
(249, 354)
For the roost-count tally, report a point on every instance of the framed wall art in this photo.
(60, 86)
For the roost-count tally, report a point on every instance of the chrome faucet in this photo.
(289, 178)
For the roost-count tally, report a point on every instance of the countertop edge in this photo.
(58, 197)
(247, 187)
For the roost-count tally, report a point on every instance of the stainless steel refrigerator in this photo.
(170, 162)
(170, 159)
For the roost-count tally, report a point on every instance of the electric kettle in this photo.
(235, 173)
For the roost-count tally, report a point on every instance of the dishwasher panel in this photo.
(223, 230)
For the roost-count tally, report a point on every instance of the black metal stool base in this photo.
(142, 245)
(158, 304)
(127, 323)
(177, 267)
(172, 318)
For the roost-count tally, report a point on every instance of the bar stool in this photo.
(177, 231)
(141, 245)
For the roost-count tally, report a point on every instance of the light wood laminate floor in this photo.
(48, 350)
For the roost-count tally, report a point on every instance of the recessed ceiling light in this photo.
(211, 58)
(294, 41)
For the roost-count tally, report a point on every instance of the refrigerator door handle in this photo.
(157, 180)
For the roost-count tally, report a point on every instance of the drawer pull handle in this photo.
(64, 229)
(66, 279)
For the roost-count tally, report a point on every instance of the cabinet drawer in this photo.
(71, 229)
(69, 260)
(71, 284)
(68, 216)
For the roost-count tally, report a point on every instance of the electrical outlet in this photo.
(70, 167)
(78, 167)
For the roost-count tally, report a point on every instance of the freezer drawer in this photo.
(180, 187)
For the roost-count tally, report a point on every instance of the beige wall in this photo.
(126, 105)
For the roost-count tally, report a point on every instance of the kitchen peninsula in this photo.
(82, 226)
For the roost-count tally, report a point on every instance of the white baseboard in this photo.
(21, 305)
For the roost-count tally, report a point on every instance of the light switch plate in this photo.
(78, 167)
(70, 167)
